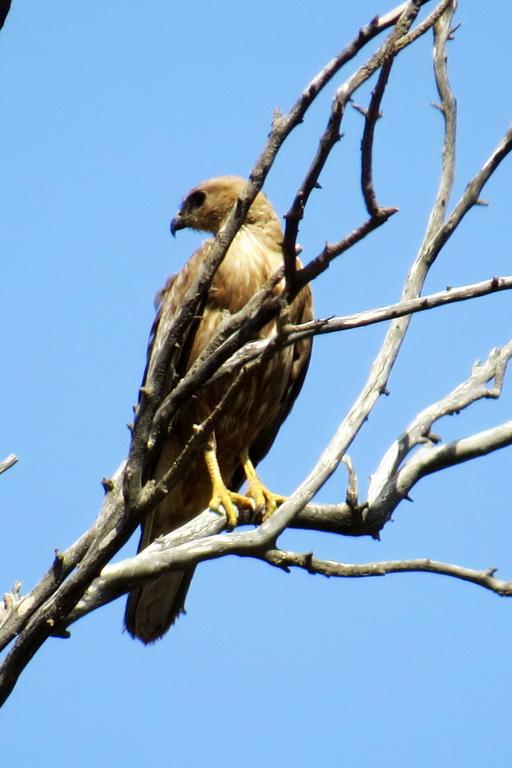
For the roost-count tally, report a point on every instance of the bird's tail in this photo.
(154, 606)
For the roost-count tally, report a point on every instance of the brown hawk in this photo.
(249, 428)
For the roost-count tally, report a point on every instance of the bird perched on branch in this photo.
(250, 425)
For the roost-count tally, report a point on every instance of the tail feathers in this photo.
(152, 608)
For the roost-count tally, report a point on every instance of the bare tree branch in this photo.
(311, 564)
(448, 108)
(330, 137)
(292, 333)
(392, 482)
(371, 115)
(402, 308)
(387, 489)
(448, 455)
(382, 57)
(389, 485)
(201, 540)
(471, 196)
(379, 373)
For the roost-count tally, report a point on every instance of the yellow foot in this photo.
(266, 501)
(229, 502)
(221, 496)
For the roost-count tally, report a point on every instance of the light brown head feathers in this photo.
(206, 206)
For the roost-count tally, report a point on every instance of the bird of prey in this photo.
(249, 427)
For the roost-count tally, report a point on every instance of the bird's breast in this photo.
(248, 264)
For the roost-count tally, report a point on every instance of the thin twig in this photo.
(331, 251)
(8, 462)
(372, 390)
(328, 140)
(400, 309)
(311, 564)
(292, 333)
(393, 480)
(371, 116)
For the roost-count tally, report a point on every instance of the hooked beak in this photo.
(177, 223)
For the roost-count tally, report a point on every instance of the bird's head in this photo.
(207, 205)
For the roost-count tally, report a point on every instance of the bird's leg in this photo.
(266, 501)
(221, 496)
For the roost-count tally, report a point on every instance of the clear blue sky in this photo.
(110, 113)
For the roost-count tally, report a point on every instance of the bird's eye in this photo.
(195, 200)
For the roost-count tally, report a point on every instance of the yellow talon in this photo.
(221, 496)
(266, 501)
